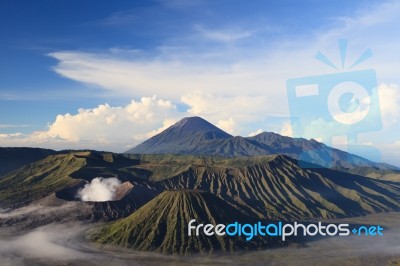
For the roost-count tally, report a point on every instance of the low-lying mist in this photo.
(44, 243)
(65, 244)
(50, 210)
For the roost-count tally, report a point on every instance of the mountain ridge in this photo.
(275, 187)
(12, 158)
(189, 139)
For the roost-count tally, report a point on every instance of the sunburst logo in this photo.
(343, 44)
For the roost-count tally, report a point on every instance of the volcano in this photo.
(183, 137)
(161, 225)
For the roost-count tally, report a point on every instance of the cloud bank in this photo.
(106, 127)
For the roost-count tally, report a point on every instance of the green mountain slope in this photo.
(61, 173)
(14, 158)
(161, 225)
(38, 180)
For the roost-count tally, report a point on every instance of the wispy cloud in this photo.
(232, 33)
(12, 136)
(224, 35)
(262, 69)
(14, 126)
(168, 77)
(120, 18)
(9, 97)
(181, 4)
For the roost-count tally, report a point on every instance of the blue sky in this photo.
(107, 75)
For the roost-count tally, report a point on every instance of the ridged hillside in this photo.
(161, 225)
(276, 187)
(271, 186)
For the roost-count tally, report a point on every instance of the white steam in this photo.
(99, 189)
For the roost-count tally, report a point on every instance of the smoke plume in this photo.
(99, 189)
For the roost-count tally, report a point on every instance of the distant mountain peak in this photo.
(185, 134)
(267, 134)
(195, 123)
(190, 119)
(188, 127)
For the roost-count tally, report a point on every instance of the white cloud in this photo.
(254, 133)
(227, 125)
(104, 127)
(389, 97)
(108, 123)
(212, 104)
(286, 130)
